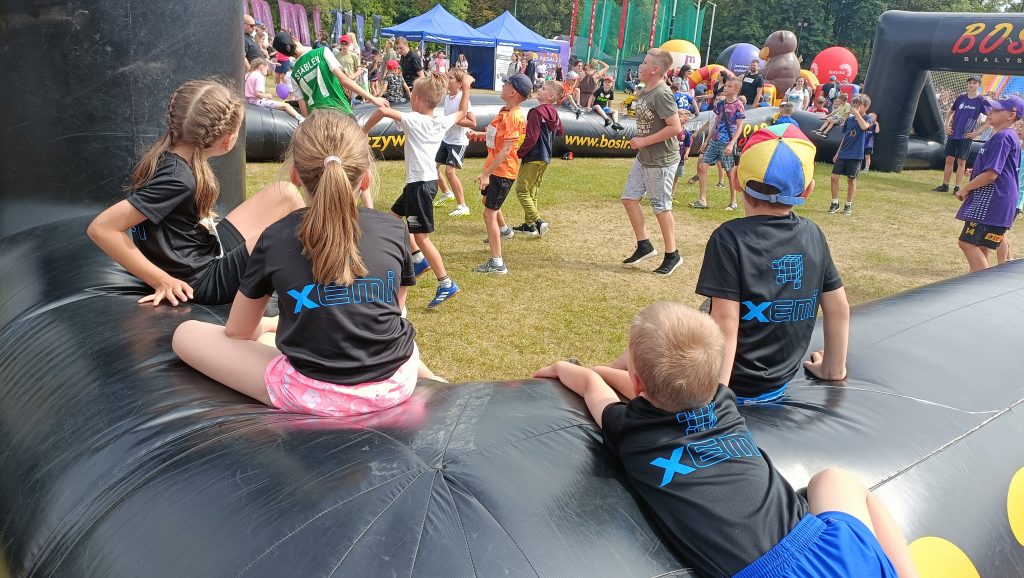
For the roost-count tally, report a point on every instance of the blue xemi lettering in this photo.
(782, 311)
(363, 290)
(706, 453)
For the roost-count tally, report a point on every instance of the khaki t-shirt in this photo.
(653, 106)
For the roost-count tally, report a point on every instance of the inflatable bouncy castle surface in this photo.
(117, 460)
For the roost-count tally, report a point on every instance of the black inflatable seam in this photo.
(499, 524)
(423, 522)
(372, 522)
(943, 447)
(462, 525)
(76, 517)
(301, 526)
(580, 425)
(911, 398)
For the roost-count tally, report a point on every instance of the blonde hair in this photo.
(431, 88)
(662, 58)
(458, 74)
(200, 112)
(863, 99)
(842, 96)
(677, 353)
(555, 87)
(329, 231)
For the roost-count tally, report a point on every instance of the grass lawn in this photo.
(567, 295)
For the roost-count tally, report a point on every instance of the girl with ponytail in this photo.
(165, 232)
(342, 273)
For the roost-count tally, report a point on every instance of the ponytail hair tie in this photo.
(331, 159)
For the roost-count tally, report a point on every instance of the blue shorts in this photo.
(715, 153)
(827, 545)
(766, 397)
(607, 109)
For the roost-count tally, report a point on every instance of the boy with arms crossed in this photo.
(654, 170)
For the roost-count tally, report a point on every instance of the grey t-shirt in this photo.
(653, 106)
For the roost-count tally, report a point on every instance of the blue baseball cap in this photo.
(520, 82)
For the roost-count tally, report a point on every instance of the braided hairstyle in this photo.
(199, 114)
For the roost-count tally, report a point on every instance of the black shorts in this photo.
(218, 283)
(869, 151)
(982, 235)
(958, 147)
(283, 67)
(450, 154)
(847, 167)
(496, 191)
(416, 204)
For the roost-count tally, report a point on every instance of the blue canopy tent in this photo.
(438, 25)
(505, 29)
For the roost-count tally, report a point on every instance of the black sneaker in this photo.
(607, 122)
(526, 229)
(579, 111)
(617, 126)
(641, 254)
(542, 227)
(943, 188)
(669, 264)
(833, 208)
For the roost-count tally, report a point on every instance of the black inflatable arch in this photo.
(908, 45)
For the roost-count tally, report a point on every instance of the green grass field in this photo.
(567, 295)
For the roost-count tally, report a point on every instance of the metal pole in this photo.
(696, 21)
(515, 9)
(714, 9)
(604, 23)
(672, 21)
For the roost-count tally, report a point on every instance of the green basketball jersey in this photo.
(320, 88)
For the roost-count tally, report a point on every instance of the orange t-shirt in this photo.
(509, 125)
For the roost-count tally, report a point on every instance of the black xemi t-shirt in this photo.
(716, 498)
(172, 236)
(341, 334)
(776, 268)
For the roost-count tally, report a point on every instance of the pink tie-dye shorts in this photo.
(290, 390)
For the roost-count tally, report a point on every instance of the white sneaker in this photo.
(443, 198)
(460, 211)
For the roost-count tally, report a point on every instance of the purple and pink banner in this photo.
(295, 20)
(317, 27)
(261, 12)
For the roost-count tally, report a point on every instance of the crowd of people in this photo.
(343, 270)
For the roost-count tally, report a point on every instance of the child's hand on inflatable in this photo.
(816, 367)
(173, 290)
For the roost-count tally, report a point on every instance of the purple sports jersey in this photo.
(965, 114)
(728, 113)
(995, 204)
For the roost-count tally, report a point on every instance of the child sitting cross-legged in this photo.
(728, 517)
(342, 273)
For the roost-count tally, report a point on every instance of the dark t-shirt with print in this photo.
(715, 497)
(603, 97)
(854, 138)
(172, 237)
(749, 83)
(342, 334)
(776, 268)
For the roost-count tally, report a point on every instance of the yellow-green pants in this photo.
(527, 187)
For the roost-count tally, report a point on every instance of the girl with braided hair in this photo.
(343, 346)
(165, 232)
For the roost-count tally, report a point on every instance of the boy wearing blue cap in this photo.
(716, 499)
(990, 198)
(767, 273)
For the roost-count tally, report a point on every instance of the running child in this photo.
(256, 82)
(603, 97)
(734, 517)
(840, 112)
(990, 197)
(774, 256)
(720, 146)
(850, 156)
(502, 165)
(542, 126)
(453, 147)
(165, 232)
(423, 134)
(962, 127)
(654, 169)
(334, 355)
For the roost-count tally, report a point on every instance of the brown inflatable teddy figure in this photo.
(781, 64)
